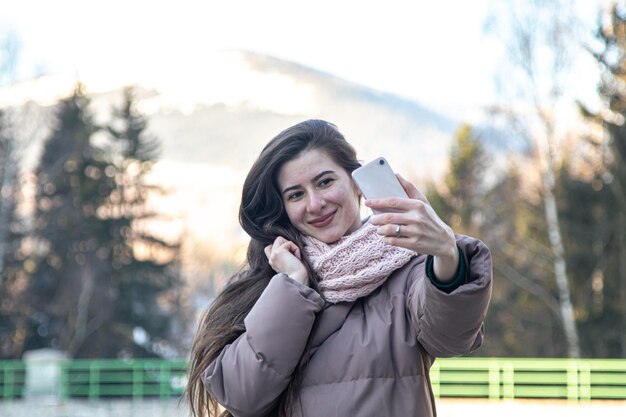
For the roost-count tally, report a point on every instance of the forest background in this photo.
(101, 257)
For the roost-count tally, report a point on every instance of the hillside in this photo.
(213, 121)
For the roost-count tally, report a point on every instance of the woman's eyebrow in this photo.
(315, 178)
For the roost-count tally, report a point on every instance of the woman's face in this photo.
(320, 197)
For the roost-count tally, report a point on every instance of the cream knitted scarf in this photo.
(355, 265)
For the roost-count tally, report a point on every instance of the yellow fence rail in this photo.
(494, 378)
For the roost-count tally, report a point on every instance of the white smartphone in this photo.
(376, 179)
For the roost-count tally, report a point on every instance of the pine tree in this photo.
(589, 219)
(145, 266)
(8, 186)
(69, 288)
(104, 284)
(14, 314)
(12, 274)
(459, 202)
(606, 280)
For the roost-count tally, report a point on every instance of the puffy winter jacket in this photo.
(368, 358)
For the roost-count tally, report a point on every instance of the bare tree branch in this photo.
(538, 47)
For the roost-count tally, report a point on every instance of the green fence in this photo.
(12, 379)
(582, 379)
(494, 378)
(137, 379)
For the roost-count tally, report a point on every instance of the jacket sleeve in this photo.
(452, 324)
(250, 374)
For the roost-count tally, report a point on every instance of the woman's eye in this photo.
(294, 196)
(325, 182)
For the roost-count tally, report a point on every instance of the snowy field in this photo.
(446, 408)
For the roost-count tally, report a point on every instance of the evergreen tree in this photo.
(145, 266)
(70, 286)
(460, 202)
(590, 221)
(104, 285)
(12, 313)
(605, 198)
(8, 174)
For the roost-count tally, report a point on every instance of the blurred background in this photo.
(127, 128)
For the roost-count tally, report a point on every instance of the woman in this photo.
(335, 315)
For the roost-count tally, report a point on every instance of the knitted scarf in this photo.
(355, 265)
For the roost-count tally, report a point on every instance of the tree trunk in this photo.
(8, 179)
(79, 332)
(618, 187)
(560, 266)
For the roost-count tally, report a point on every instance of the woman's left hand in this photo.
(413, 224)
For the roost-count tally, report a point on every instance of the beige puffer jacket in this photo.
(369, 358)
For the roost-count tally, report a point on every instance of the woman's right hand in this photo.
(284, 256)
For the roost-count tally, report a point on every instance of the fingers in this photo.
(411, 222)
(270, 249)
(412, 190)
(395, 204)
(399, 241)
(284, 256)
(399, 235)
(296, 252)
(389, 218)
(396, 232)
(280, 243)
(390, 204)
(292, 248)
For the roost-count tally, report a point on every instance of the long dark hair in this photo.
(263, 217)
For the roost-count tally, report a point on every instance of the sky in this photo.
(404, 47)
(438, 53)
(435, 52)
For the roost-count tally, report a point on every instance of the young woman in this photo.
(335, 315)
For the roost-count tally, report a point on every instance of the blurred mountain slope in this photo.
(233, 131)
(213, 121)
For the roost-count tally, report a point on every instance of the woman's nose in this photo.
(316, 202)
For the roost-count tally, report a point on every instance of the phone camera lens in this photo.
(381, 162)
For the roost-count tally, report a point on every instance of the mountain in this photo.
(213, 122)
(233, 130)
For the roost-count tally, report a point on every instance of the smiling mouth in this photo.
(324, 220)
